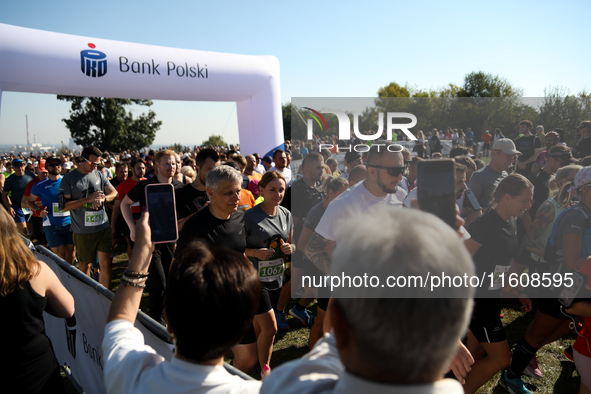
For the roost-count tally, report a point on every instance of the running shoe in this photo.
(568, 352)
(281, 323)
(533, 369)
(513, 386)
(305, 316)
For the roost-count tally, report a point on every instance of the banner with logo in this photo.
(38, 61)
(77, 343)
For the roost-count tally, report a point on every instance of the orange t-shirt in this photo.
(486, 138)
(255, 175)
(246, 200)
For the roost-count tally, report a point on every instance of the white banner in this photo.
(80, 347)
(45, 62)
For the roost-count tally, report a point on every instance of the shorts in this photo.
(58, 235)
(469, 143)
(553, 308)
(583, 364)
(486, 146)
(486, 322)
(19, 215)
(88, 244)
(316, 276)
(488, 330)
(268, 300)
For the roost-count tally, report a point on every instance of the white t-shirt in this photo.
(286, 174)
(355, 199)
(260, 169)
(133, 367)
(321, 371)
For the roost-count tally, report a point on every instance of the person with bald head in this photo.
(357, 174)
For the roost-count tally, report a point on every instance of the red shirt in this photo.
(27, 193)
(124, 188)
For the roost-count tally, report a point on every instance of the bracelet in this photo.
(133, 280)
(293, 248)
(136, 274)
(128, 283)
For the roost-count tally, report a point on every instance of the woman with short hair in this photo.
(493, 246)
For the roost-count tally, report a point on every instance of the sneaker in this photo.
(513, 386)
(281, 323)
(568, 352)
(533, 369)
(305, 316)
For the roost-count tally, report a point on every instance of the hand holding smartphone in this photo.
(162, 208)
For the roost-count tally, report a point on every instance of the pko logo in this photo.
(93, 63)
(345, 124)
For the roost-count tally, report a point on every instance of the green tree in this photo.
(106, 124)
(214, 140)
(481, 84)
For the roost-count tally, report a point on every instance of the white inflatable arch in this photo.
(38, 61)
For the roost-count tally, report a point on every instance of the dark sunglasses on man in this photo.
(392, 171)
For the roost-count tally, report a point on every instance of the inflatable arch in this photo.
(38, 61)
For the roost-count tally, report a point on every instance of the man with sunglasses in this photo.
(385, 167)
(56, 223)
(84, 192)
(12, 195)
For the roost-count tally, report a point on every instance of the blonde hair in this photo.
(563, 197)
(17, 263)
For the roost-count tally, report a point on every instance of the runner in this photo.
(56, 223)
(12, 195)
(269, 231)
(493, 246)
(84, 192)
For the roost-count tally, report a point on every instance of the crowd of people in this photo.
(251, 226)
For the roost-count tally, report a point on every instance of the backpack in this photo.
(554, 256)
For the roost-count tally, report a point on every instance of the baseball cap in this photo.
(52, 159)
(506, 145)
(17, 162)
(268, 159)
(582, 178)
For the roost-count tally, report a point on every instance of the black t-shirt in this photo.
(499, 245)
(189, 200)
(138, 193)
(203, 225)
(583, 148)
(540, 180)
(305, 198)
(527, 146)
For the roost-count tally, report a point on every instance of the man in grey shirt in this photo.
(84, 192)
(485, 180)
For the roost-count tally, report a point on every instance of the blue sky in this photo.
(325, 49)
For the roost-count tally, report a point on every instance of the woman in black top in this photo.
(493, 247)
(27, 288)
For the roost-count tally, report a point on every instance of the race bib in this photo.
(94, 218)
(499, 269)
(57, 212)
(271, 270)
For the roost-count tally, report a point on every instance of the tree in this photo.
(214, 140)
(481, 84)
(105, 123)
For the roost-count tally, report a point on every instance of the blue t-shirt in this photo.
(48, 191)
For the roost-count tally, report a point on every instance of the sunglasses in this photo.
(88, 161)
(392, 171)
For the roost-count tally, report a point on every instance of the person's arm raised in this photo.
(127, 299)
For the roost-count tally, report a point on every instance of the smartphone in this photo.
(162, 208)
(472, 202)
(569, 294)
(436, 189)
